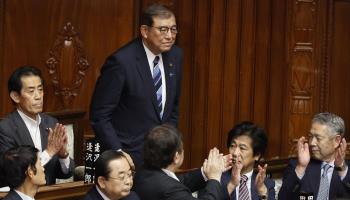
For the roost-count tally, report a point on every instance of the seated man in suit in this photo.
(28, 126)
(114, 172)
(323, 174)
(164, 155)
(247, 144)
(21, 169)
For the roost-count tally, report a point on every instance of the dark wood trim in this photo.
(64, 191)
(2, 30)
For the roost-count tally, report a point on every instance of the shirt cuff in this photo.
(346, 172)
(45, 158)
(65, 164)
(204, 176)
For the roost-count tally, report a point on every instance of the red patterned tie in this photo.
(243, 189)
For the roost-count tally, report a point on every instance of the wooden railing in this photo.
(65, 191)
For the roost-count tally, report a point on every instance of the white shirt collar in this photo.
(104, 197)
(249, 175)
(29, 120)
(150, 55)
(170, 173)
(24, 196)
(329, 163)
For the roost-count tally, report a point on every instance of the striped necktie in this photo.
(157, 81)
(323, 191)
(243, 189)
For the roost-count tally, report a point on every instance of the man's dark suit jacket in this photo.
(13, 132)
(123, 107)
(12, 195)
(94, 195)
(310, 183)
(156, 185)
(270, 185)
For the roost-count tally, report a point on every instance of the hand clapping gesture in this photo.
(214, 165)
(57, 141)
(260, 180)
(340, 154)
(303, 155)
(237, 166)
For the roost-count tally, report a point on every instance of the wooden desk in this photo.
(65, 191)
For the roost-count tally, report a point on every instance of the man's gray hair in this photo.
(334, 123)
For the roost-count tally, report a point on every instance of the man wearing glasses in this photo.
(139, 85)
(114, 171)
(320, 169)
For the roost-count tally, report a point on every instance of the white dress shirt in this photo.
(34, 130)
(150, 58)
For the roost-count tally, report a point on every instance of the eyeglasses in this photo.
(124, 176)
(165, 29)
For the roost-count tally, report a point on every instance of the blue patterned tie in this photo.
(243, 189)
(157, 81)
(323, 191)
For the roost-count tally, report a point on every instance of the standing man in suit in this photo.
(139, 85)
(164, 155)
(323, 174)
(247, 143)
(114, 172)
(27, 125)
(21, 169)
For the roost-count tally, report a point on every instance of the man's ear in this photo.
(14, 96)
(337, 140)
(30, 173)
(144, 31)
(101, 182)
(176, 158)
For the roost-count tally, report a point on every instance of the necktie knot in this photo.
(155, 61)
(326, 167)
(244, 179)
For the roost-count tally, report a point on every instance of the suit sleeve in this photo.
(291, 183)
(270, 184)
(195, 181)
(346, 181)
(58, 169)
(212, 191)
(104, 101)
(175, 111)
(6, 142)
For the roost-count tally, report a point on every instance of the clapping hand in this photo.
(303, 155)
(57, 140)
(260, 180)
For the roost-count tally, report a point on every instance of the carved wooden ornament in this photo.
(67, 64)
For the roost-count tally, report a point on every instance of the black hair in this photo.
(155, 10)
(102, 164)
(15, 83)
(161, 145)
(257, 135)
(15, 162)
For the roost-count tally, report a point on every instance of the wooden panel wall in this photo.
(63, 33)
(275, 62)
(338, 59)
